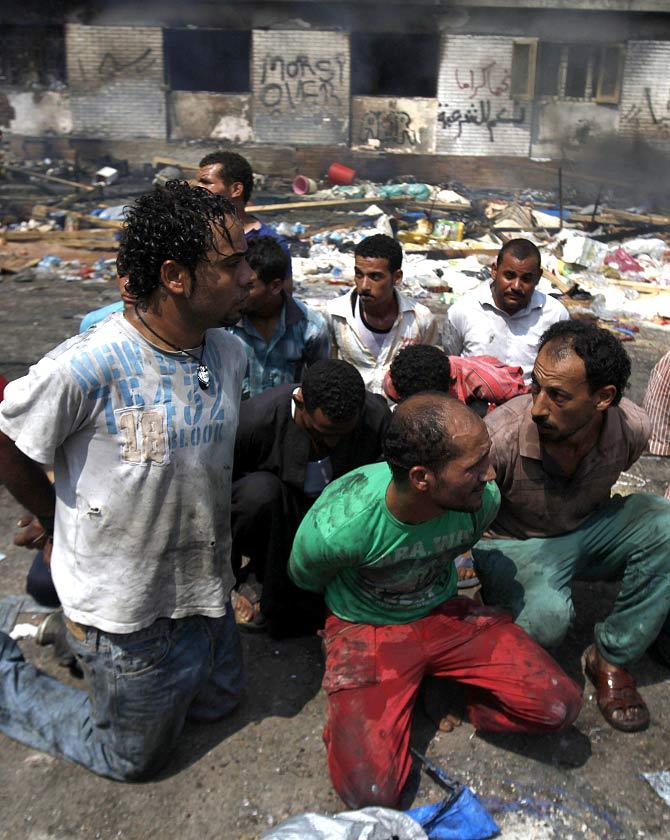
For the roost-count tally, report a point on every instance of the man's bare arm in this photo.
(27, 482)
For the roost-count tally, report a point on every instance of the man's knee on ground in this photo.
(548, 619)
(563, 708)
(364, 786)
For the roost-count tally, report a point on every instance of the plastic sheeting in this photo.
(366, 824)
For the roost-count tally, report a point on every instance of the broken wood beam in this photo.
(16, 170)
(331, 202)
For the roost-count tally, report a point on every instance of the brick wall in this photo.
(645, 95)
(476, 115)
(300, 84)
(116, 81)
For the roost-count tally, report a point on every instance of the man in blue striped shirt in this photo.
(281, 335)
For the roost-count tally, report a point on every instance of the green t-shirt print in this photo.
(372, 568)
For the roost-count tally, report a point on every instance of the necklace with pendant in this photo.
(203, 374)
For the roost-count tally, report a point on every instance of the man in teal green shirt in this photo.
(380, 544)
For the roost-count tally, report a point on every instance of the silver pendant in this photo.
(203, 376)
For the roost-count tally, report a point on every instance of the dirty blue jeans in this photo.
(629, 539)
(141, 688)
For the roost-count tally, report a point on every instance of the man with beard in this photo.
(557, 453)
(380, 544)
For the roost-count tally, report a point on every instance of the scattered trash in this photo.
(107, 175)
(23, 631)
(660, 783)
(338, 173)
(366, 824)
(304, 186)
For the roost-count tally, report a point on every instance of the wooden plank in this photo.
(557, 281)
(56, 235)
(648, 288)
(26, 173)
(333, 202)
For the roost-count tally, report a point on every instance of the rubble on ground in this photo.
(605, 262)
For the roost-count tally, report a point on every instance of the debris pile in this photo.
(609, 263)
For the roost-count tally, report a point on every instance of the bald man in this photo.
(380, 544)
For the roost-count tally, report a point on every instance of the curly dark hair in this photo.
(174, 222)
(418, 434)
(604, 356)
(334, 386)
(267, 258)
(380, 246)
(520, 248)
(234, 168)
(420, 367)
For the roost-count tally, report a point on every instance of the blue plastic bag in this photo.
(462, 817)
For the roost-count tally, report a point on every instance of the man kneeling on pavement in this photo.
(557, 453)
(380, 542)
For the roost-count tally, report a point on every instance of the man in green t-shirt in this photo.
(380, 544)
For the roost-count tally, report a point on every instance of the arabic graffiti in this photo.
(479, 115)
(301, 82)
(636, 115)
(110, 66)
(491, 78)
(391, 128)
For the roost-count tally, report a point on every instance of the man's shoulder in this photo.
(551, 307)
(340, 507)
(634, 419)
(508, 418)
(273, 402)
(310, 317)
(340, 306)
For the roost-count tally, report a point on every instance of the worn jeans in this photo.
(141, 688)
(629, 539)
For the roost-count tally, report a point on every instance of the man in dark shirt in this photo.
(557, 454)
(291, 442)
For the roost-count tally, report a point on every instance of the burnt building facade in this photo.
(467, 78)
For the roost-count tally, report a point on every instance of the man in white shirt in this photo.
(506, 318)
(139, 418)
(374, 320)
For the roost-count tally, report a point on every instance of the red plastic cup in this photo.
(340, 174)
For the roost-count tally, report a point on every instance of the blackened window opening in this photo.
(32, 55)
(394, 65)
(214, 60)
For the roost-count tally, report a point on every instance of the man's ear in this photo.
(276, 286)
(176, 278)
(494, 270)
(605, 396)
(236, 189)
(420, 479)
(397, 277)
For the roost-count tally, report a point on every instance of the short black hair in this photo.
(419, 437)
(420, 367)
(604, 356)
(174, 222)
(380, 246)
(334, 386)
(267, 258)
(522, 249)
(234, 168)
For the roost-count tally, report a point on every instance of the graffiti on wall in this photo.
(491, 78)
(301, 82)
(646, 114)
(482, 113)
(390, 127)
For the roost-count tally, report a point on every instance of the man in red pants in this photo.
(380, 543)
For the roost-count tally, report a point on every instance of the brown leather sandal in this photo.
(616, 691)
